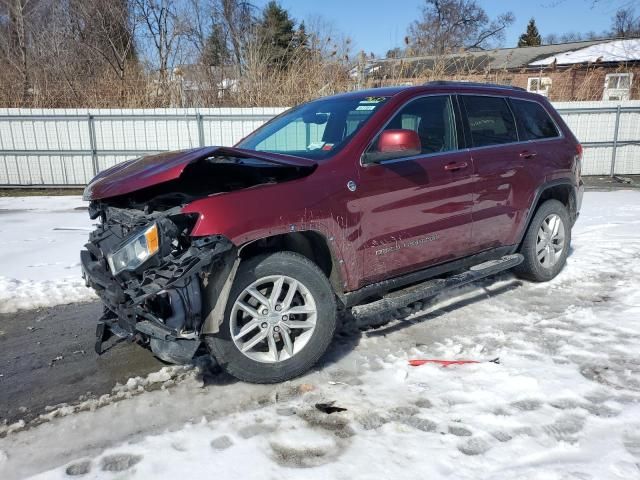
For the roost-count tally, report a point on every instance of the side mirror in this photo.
(394, 144)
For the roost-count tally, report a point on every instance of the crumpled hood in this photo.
(150, 170)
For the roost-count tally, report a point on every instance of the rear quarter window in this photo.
(534, 122)
(490, 120)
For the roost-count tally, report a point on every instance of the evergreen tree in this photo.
(276, 34)
(531, 37)
(216, 52)
(301, 39)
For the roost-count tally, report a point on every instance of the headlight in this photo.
(136, 251)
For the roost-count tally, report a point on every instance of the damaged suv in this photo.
(363, 202)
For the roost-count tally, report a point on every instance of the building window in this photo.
(539, 85)
(617, 86)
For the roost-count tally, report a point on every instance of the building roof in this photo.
(625, 50)
(509, 58)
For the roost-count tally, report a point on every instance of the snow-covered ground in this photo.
(40, 239)
(563, 403)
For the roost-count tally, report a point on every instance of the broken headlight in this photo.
(136, 251)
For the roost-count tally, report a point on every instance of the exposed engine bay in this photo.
(208, 176)
(147, 269)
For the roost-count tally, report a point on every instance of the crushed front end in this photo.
(150, 273)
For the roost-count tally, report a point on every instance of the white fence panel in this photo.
(62, 147)
(594, 123)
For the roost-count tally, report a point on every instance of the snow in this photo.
(614, 51)
(563, 403)
(41, 238)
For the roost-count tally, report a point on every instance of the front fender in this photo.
(249, 215)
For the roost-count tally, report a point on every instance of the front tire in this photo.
(279, 320)
(546, 244)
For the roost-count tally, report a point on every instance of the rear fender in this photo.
(540, 194)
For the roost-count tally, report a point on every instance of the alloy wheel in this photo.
(551, 241)
(273, 319)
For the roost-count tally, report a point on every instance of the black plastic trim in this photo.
(357, 296)
(534, 204)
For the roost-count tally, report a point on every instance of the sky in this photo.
(379, 25)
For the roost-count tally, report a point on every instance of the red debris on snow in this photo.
(446, 363)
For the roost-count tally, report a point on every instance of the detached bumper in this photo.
(161, 300)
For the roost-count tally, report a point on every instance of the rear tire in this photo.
(546, 244)
(279, 320)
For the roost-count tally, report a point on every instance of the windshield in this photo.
(314, 130)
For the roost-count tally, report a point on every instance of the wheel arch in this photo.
(562, 190)
(309, 243)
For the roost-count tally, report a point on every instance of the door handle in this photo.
(452, 167)
(527, 154)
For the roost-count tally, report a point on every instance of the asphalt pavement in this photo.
(47, 358)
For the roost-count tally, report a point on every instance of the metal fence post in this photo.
(92, 143)
(200, 129)
(615, 142)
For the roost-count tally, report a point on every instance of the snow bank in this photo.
(40, 240)
(563, 403)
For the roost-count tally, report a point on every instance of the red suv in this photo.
(365, 202)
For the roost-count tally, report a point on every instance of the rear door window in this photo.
(534, 122)
(490, 120)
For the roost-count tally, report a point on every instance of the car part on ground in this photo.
(446, 363)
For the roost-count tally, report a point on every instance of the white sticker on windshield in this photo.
(315, 146)
(366, 107)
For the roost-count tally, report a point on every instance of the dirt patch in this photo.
(78, 468)
(119, 462)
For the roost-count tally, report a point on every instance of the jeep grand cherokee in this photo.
(364, 202)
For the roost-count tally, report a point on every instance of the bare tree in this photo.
(165, 26)
(625, 23)
(202, 17)
(326, 41)
(450, 25)
(13, 43)
(551, 38)
(239, 24)
(106, 29)
(89, 53)
(571, 37)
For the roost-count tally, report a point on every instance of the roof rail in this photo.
(452, 83)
